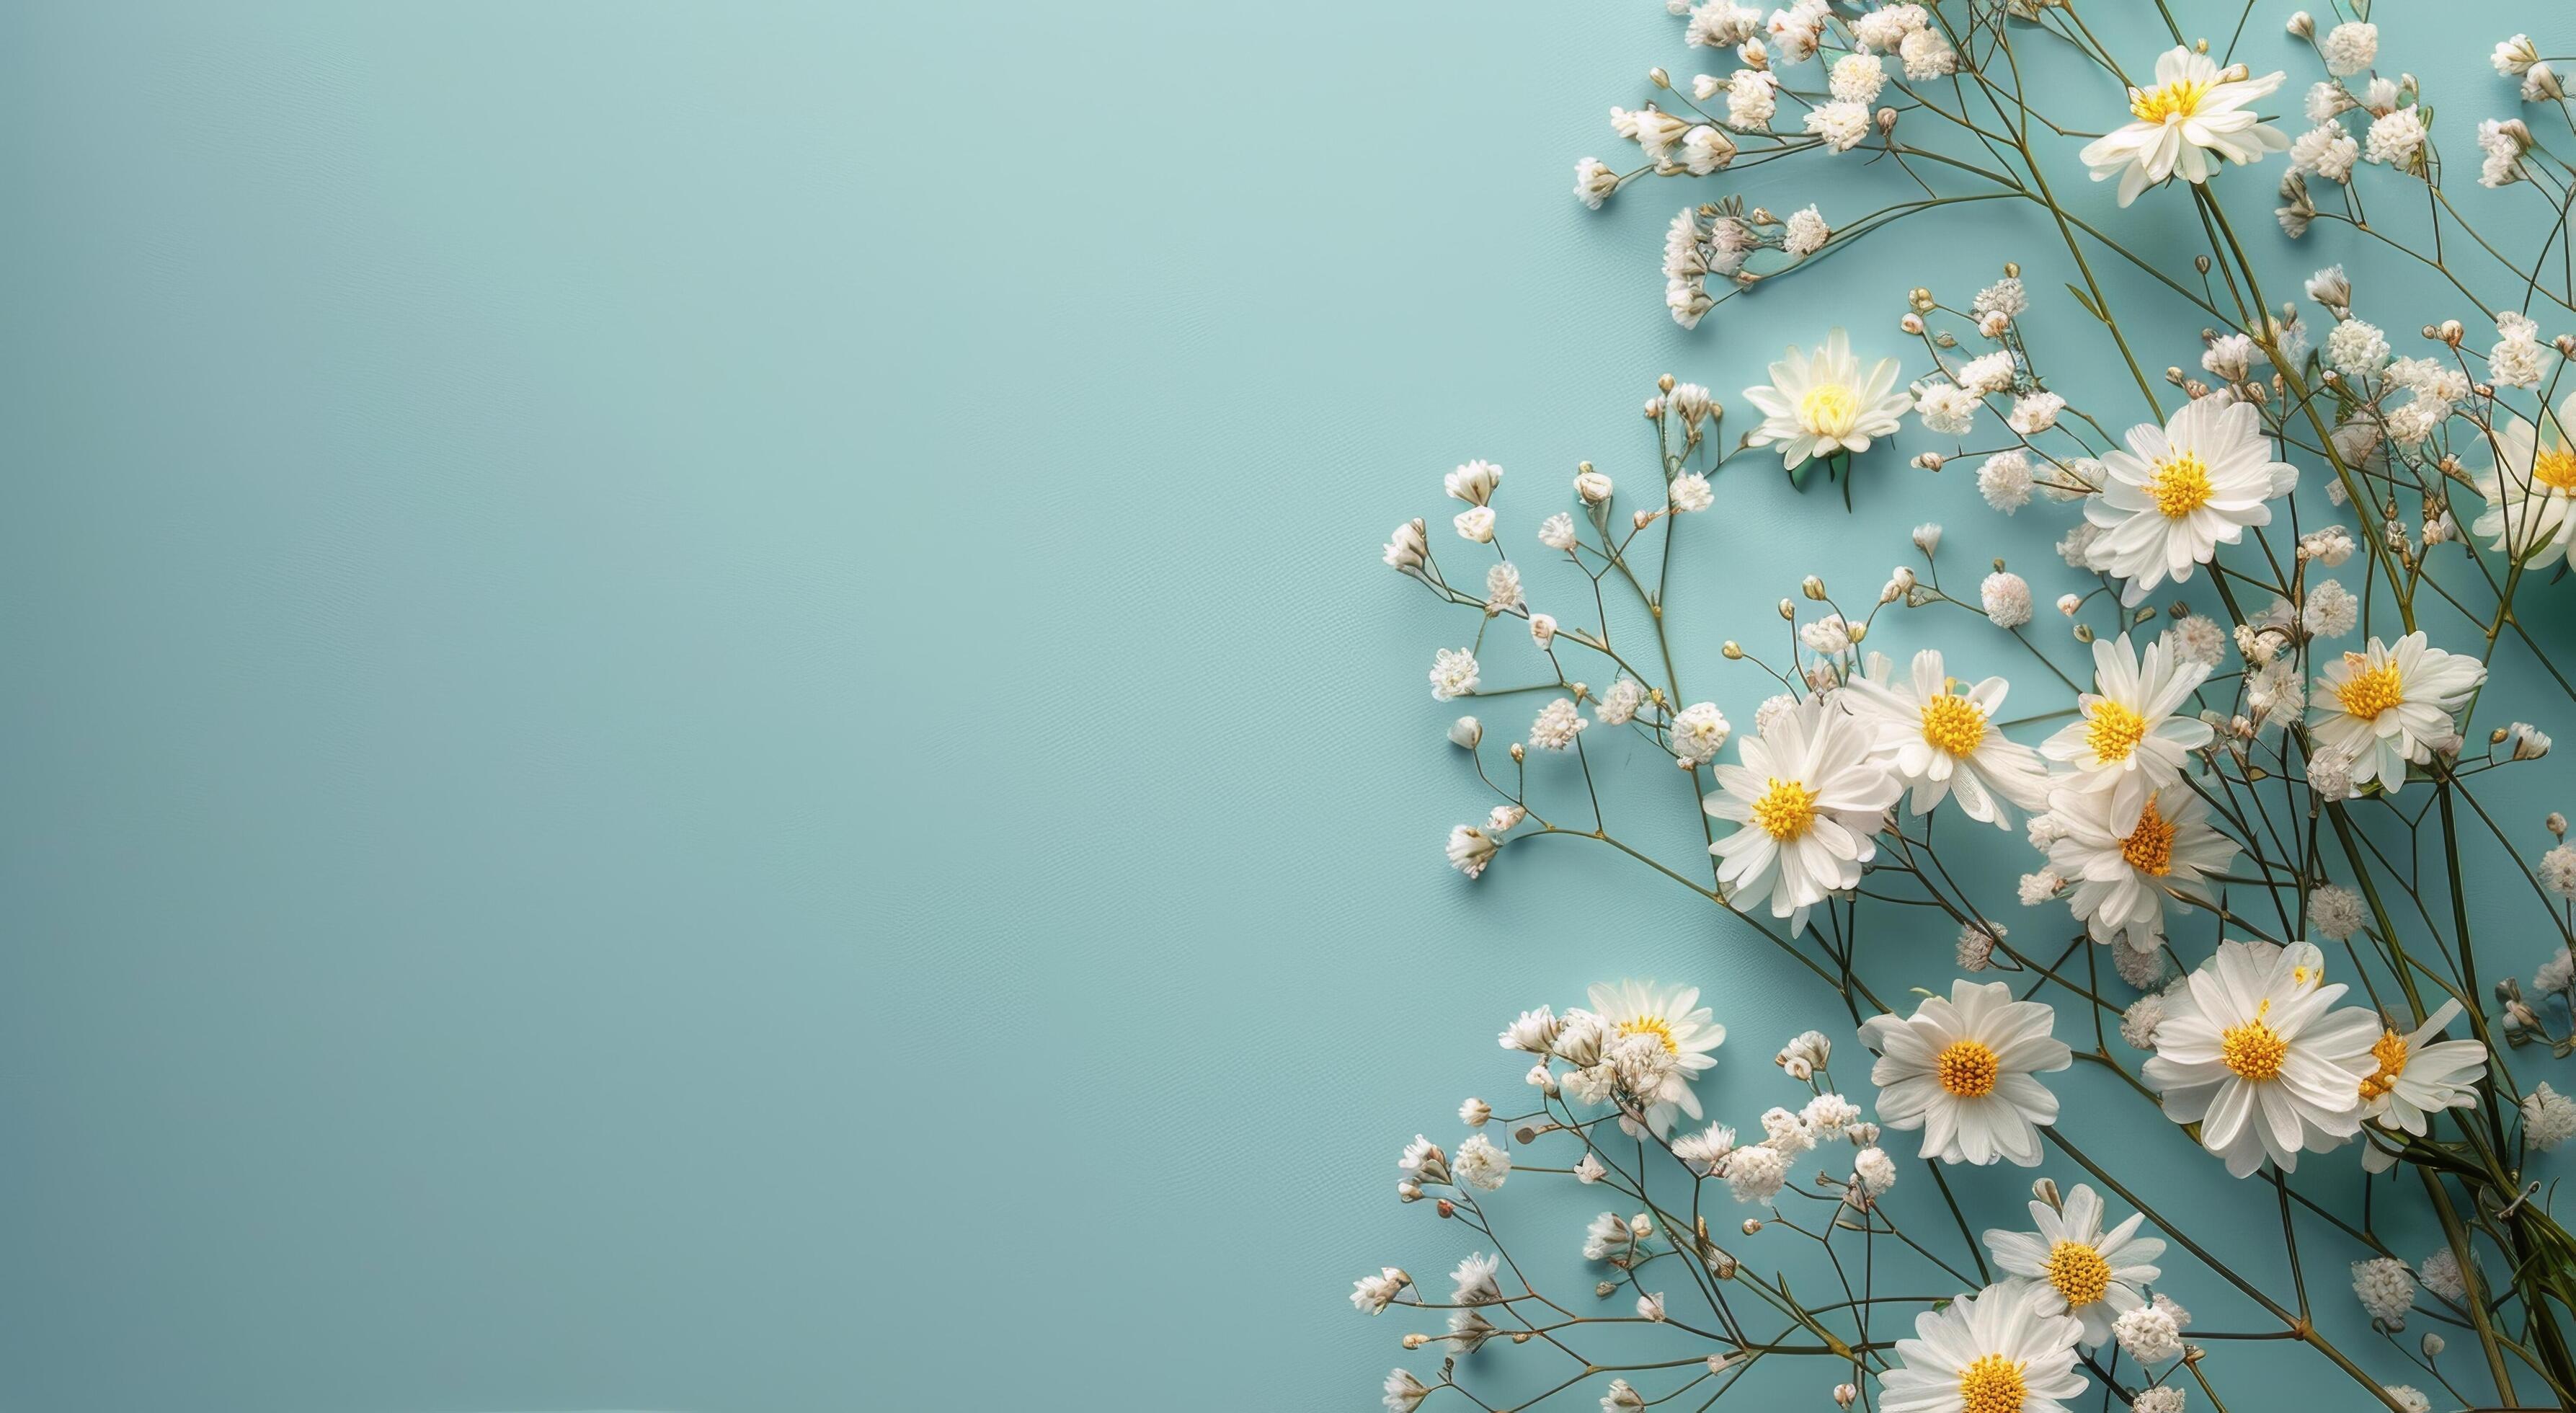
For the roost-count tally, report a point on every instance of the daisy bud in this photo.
(2556, 824)
(1752, 1225)
(1654, 408)
(1927, 538)
(1911, 323)
(1734, 651)
(2083, 632)
(1886, 121)
(1788, 610)
(1994, 324)
(2303, 25)
(1812, 587)
(1447, 1209)
(1845, 1395)
(1929, 461)
(2565, 344)
(1920, 298)
(2433, 1345)
(1591, 485)
(1518, 754)
(1466, 731)
(1643, 518)
(1542, 629)
(2068, 603)
(1659, 78)
(2450, 332)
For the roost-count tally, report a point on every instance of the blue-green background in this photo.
(699, 711)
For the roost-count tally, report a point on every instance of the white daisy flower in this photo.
(1960, 1070)
(2181, 491)
(2531, 493)
(2193, 109)
(2386, 706)
(1817, 406)
(2250, 1051)
(1940, 737)
(1675, 1020)
(2123, 876)
(2074, 1267)
(2128, 740)
(2416, 1077)
(1807, 796)
(1992, 1352)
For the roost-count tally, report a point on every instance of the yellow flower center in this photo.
(1952, 723)
(1655, 1026)
(2180, 486)
(2167, 102)
(1967, 1068)
(2555, 467)
(2079, 1272)
(2372, 690)
(1830, 409)
(2254, 1050)
(2390, 1052)
(2115, 731)
(1786, 809)
(2149, 847)
(1991, 1385)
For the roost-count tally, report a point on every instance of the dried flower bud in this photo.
(2303, 26)
(1845, 1395)
(1911, 323)
(1812, 587)
(1752, 1225)
(2556, 824)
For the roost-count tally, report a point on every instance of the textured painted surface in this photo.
(699, 711)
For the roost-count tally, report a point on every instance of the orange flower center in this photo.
(1991, 1385)
(1786, 810)
(1655, 1026)
(1967, 1068)
(2079, 1272)
(2254, 1050)
(2555, 468)
(2372, 690)
(2390, 1052)
(2149, 847)
(1952, 723)
(2180, 486)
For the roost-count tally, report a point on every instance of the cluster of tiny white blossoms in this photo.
(2247, 755)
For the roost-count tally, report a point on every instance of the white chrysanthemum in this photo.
(2005, 481)
(1940, 738)
(1480, 1163)
(2531, 491)
(1988, 372)
(1961, 1070)
(1806, 800)
(2556, 973)
(2124, 876)
(1706, 149)
(1946, 408)
(2418, 1076)
(2034, 413)
(2558, 870)
(1557, 531)
(2193, 110)
(1977, 940)
(2386, 706)
(2138, 1023)
(1594, 182)
(2006, 598)
(2163, 1398)
(2250, 1051)
(2129, 738)
(2181, 490)
(2440, 1274)
(2007, 296)
(1699, 733)
(1873, 1171)
(1502, 589)
(1841, 125)
(1856, 78)
(2073, 1267)
(1829, 635)
(2148, 1334)
(1557, 725)
(2396, 138)
(1992, 1352)
(2356, 349)
(2334, 911)
(1618, 706)
(1757, 1173)
(1470, 849)
(1752, 95)
(1689, 492)
(1806, 232)
(2196, 638)
(2517, 359)
(1673, 1019)
(2349, 48)
(2386, 1289)
(1453, 674)
(2328, 151)
(1475, 524)
(1817, 406)
(2409, 1398)
(1927, 55)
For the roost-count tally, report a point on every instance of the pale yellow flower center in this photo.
(2079, 1272)
(1830, 410)
(1786, 810)
(2168, 102)
(2149, 847)
(2254, 1050)
(2115, 731)
(1991, 1385)
(2390, 1052)
(2180, 486)
(1655, 1026)
(2555, 467)
(1967, 1068)
(1952, 723)
(2372, 690)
